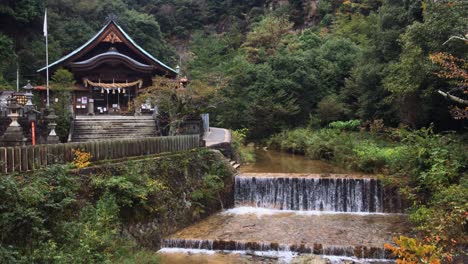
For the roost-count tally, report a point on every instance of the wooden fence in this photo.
(27, 158)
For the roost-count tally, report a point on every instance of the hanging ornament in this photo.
(107, 90)
(113, 91)
(118, 89)
(102, 90)
(124, 91)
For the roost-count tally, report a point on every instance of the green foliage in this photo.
(178, 104)
(265, 37)
(350, 125)
(210, 189)
(374, 158)
(274, 59)
(246, 153)
(62, 80)
(358, 28)
(56, 216)
(6, 57)
(429, 168)
(330, 109)
(62, 83)
(295, 141)
(133, 189)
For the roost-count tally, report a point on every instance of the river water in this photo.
(287, 206)
(280, 162)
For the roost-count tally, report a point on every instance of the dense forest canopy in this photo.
(275, 64)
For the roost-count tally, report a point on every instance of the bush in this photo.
(430, 169)
(246, 153)
(295, 141)
(55, 216)
(374, 158)
(409, 250)
(330, 109)
(351, 125)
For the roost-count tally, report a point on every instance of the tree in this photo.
(456, 71)
(176, 104)
(62, 83)
(265, 37)
(6, 56)
(330, 109)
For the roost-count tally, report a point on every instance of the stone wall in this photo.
(182, 174)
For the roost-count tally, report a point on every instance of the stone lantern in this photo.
(52, 138)
(14, 133)
(28, 88)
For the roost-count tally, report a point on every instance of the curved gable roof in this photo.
(103, 57)
(95, 37)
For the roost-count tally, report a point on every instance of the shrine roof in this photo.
(96, 37)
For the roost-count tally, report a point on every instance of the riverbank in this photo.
(58, 216)
(431, 170)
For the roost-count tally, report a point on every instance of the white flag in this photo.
(45, 23)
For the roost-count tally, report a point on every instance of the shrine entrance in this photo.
(112, 97)
(112, 101)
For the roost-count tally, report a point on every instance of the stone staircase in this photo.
(89, 128)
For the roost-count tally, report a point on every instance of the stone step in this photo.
(113, 121)
(114, 130)
(96, 135)
(105, 127)
(113, 127)
(114, 124)
(110, 117)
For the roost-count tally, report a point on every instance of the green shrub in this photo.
(294, 141)
(430, 169)
(210, 189)
(351, 125)
(133, 187)
(443, 221)
(55, 216)
(374, 158)
(246, 153)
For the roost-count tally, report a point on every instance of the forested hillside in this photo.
(274, 64)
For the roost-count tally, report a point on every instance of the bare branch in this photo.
(456, 37)
(453, 98)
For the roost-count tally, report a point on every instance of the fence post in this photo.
(3, 159)
(17, 157)
(30, 157)
(24, 158)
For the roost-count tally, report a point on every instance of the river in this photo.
(287, 206)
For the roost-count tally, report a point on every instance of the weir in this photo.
(314, 192)
(315, 248)
(342, 215)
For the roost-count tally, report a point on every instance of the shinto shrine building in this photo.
(110, 70)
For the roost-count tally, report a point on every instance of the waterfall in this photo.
(316, 248)
(316, 194)
(318, 207)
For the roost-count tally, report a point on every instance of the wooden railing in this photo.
(29, 158)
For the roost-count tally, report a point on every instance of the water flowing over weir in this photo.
(344, 216)
(316, 193)
(316, 248)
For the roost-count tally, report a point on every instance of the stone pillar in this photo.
(91, 106)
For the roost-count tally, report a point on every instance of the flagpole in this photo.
(47, 57)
